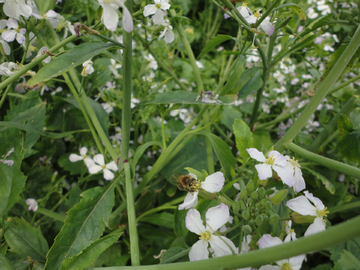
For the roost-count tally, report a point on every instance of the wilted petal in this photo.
(214, 182)
(169, 36)
(199, 251)
(222, 246)
(217, 216)
(302, 206)
(127, 20)
(190, 201)
(256, 154)
(99, 159)
(193, 222)
(318, 226)
(264, 171)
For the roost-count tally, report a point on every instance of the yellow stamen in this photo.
(286, 266)
(205, 235)
(322, 213)
(257, 14)
(244, 5)
(270, 160)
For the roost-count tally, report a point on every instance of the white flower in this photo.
(98, 164)
(294, 166)
(113, 68)
(110, 16)
(15, 8)
(303, 206)
(109, 106)
(168, 34)
(267, 26)
(8, 68)
(57, 90)
(33, 205)
(215, 218)
(88, 68)
(82, 156)
(153, 64)
(17, 33)
(290, 232)
(293, 263)
(5, 47)
(213, 183)
(275, 161)
(134, 101)
(157, 10)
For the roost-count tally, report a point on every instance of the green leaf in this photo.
(72, 167)
(236, 76)
(319, 22)
(328, 185)
(355, 118)
(12, 179)
(253, 85)
(352, 246)
(164, 219)
(72, 58)
(179, 223)
(214, 42)
(297, 9)
(173, 254)
(222, 151)
(243, 137)
(5, 264)
(90, 254)
(344, 126)
(184, 97)
(84, 225)
(347, 262)
(349, 146)
(26, 240)
(228, 116)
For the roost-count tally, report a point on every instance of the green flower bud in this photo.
(263, 202)
(302, 219)
(262, 192)
(243, 194)
(258, 205)
(279, 197)
(273, 219)
(245, 214)
(268, 205)
(265, 217)
(254, 195)
(249, 201)
(236, 207)
(259, 220)
(242, 205)
(246, 229)
(250, 186)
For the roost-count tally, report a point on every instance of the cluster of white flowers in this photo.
(96, 164)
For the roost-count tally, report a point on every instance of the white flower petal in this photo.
(108, 175)
(74, 158)
(214, 182)
(110, 17)
(302, 206)
(112, 166)
(149, 10)
(268, 241)
(193, 222)
(299, 181)
(317, 226)
(83, 151)
(99, 159)
(127, 20)
(33, 205)
(264, 171)
(222, 246)
(190, 201)
(279, 158)
(169, 36)
(296, 261)
(270, 267)
(9, 36)
(256, 154)
(93, 168)
(285, 174)
(158, 18)
(318, 203)
(217, 216)
(199, 251)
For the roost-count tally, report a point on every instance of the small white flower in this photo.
(168, 34)
(98, 164)
(110, 17)
(294, 166)
(134, 101)
(33, 205)
(290, 232)
(114, 67)
(5, 46)
(88, 68)
(213, 183)
(275, 161)
(153, 64)
(157, 9)
(215, 218)
(293, 263)
(303, 206)
(8, 68)
(14, 32)
(15, 8)
(82, 156)
(109, 106)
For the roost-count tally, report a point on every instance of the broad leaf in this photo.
(90, 254)
(84, 225)
(164, 219)
(26, 240)
(328, 185)
(179, 223)
(349, 146)
(347, 262)
(214, 42)
(140, 151)
(352, 246)
(243, 137)
(72, 58)
(5, 264)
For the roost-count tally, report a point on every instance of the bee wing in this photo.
(174, 177)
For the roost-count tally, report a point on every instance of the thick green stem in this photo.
(322, 91)
(326, 162)
(330, 237)
(134, 238)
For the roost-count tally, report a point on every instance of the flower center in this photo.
(205, 235)
(257, 14)
(244, 5)
(270, 160)
(103, 167)
(294, 162)
(322, 213)
(158, 5)
(286, 266)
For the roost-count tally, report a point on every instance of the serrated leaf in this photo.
(12, 180)
(352, 246)
(347, 262)
(214, 42)
(297, 9)
(140, 151)
(349, 146)
(26, 240)
(84, 225)
(5, 264)
(90, 254)
(163, 219)
(328, 185)
(243, 137)
(72, 58)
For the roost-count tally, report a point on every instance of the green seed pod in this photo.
(254, 195)
(273, 219)
(245, 214)
(279, 197)
(236, 207)
(259, 220)
(246, 229)
(243, 194)
(268, 205)
(258, 205)
(250, 186)
(261, 192)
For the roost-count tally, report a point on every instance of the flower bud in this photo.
(273, 219)
(242, 205)
(302, 219)
(243, 194)
(249, 201)
(254, 195)
(268, 205)
(259, 220)
(245, 214)
(279, 197)
(250, 186)
(265, 217)
(246, 229)
(236, 207)
(263, 202)
(261, 192)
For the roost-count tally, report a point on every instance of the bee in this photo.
(185, 182)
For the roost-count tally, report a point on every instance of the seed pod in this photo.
(254, 195)
(245, 214)
(268, 205)
(262, 192)
(243, 194)
(279, 197)
(242, 205)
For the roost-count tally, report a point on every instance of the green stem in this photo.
(322, 91)
(326, 162)
(4, 95)
(344, 207)
(51, 214)
(356, 78)
(267, 12)
(134, 238)
(330, 237)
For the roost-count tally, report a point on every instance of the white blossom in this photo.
(88, 68)
(33, 205)
(157, 10)
(83, 156)
(167, 33)
(110, 17)
(98, 164)
(294, 166)
(15, 8)
(13, 32)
